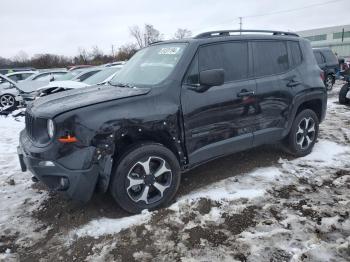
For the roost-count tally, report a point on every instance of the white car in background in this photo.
(9, 93)
(21, 75)
(99, 78)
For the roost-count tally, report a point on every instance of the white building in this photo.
(335, 37)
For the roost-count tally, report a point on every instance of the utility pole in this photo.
(240, 24)
(113, 51)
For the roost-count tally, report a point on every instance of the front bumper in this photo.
(76, 184)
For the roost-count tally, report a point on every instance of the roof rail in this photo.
(228, 33)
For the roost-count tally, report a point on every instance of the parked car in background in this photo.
(344, 93)
(328, 62)
(102, 76)
(21, 75)
(79, 74)
(49, 75)
(9, 94)
(73, 68)
(5, 71)
(175, 105)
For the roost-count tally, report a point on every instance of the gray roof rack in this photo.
(228, 33)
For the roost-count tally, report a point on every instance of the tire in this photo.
(132, 167)
(329, 82)
(342, 94)
(303, 134)
(8, 100)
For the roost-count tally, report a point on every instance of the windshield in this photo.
(150, 65)
(68, 76)
(101, 76)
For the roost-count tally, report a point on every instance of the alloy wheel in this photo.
(148, 180)
(329, 83)
(7, 100)
(306, 133)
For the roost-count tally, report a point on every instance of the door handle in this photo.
(293, 83)
(245, 93)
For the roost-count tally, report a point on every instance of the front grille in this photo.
(29, 118)
(36, 128)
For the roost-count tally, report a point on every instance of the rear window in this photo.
(319, 57)
(330, 57)
(296, 54)
(270, 57)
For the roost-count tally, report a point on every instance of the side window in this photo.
(192, 77)
(86, 75)
(319, 58)
(296, 55)
(270, 57)
(232, 57)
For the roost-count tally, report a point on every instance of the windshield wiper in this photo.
(121, 85)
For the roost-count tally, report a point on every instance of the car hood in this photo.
(55, 104)
(30, 86)
(68, 84)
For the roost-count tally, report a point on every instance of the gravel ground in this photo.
(258, 205)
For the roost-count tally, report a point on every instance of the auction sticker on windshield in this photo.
(169, 50)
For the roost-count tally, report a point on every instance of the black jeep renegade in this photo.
(173, 106)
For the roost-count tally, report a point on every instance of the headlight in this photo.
(50, 128)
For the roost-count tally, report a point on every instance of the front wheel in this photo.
(7, 100)
(343, 93)
(146, 177)
(303, 134)
(329, 82)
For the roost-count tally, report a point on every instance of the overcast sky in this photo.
(62, 26)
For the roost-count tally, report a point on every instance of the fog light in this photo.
(46, 163)
(64, 183)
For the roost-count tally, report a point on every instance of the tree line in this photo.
(143, 36)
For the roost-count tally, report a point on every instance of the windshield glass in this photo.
(150, 65)
(101, 76)
(67, 76)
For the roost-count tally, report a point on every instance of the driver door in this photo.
(219, 121)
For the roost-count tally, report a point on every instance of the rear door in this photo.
(321, 61)
(218, 121)
(276, 84)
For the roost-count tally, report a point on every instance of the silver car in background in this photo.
(9, 93)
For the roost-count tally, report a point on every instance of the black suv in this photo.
(173, 106)
(328, 62)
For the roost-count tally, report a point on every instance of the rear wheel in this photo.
(329, 82)
(146, 177)
(303, 134)
(7, 100)
(342, 94)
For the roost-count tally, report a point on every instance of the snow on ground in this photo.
(18, 200)
(291, 210)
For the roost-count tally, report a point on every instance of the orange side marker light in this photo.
(68, 139)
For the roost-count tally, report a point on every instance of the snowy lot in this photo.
(259, 205)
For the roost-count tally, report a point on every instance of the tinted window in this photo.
(296, 55)
(319, 58)
(270, 57)
(330, 57)
(232, 57)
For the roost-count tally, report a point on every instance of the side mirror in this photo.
(209, 78)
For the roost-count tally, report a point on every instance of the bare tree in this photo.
(182, 33)
(146, 36)
(21, 57)
(126, 51)
(135, 31)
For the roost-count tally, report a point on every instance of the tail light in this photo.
(322, 76)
